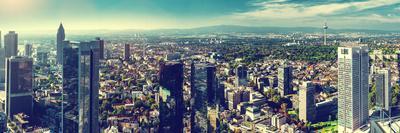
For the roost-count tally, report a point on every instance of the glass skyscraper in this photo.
(60, 39)
(19, 81)
(241, 75)
(285, 80)
(80, 87)
(171, 97)
(203, 91)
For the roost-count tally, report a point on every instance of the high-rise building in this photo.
(28, 50)
(241, 75)
(285, 80)
(127, 52)
(383, 89)
(60, 39)
(203, 91)
(171, 97)
(42, 57)
(11, 44)
(2, 65)
(101, 50)
(306, 102)
(1, 41)
(19, 82)
(80, 87)
(353, 63)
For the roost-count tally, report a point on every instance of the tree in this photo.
(395, 93)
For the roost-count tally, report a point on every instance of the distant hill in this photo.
(250, 29)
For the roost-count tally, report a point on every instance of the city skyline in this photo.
(34, 15)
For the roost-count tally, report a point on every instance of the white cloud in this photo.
(281, 10)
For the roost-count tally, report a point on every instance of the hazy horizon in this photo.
(42, 15)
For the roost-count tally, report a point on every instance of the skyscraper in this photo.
(127, 52)
(60, 39)
(11, 44)
(1, 41)
(241, 75)
(353, 63)
(306, 102)
(19, 81)
(28, 50)
(80, 87)
(203, 91)
(383, 89)
(101, 48)
(285, 80)
(171, 97)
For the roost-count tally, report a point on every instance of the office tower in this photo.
(220, 94)
(3, 122)
(383, 89)
(11, 44)
(203, 91)
(19, 81)
(262, 83)
(60, 39)
(306, 102)
(173, 56)
(80, 87)
(2, 65)
(325, 27)
(127, 52)
(101, 50)
(233, 99)
(353, 62)
(28, 50)
(171, 97)
(285, 80)
(42, 57)
(241, 75)
(1, 41)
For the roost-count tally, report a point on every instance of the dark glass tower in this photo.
(19, 83)
(60, 39)
(171, 97)
(80, 87)
(203, 91)
(101, 47)
(127, 52)
(241, 75)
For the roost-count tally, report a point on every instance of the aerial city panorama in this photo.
(200, 66)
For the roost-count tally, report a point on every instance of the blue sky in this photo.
(154, 14)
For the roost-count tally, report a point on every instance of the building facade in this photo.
(306, 102)
(19, 82)
(171, 97)
(11, 44)
(60, 40)
(353, 63)
(285, 80)
(203, 91)
(383, 89)
(80, 87)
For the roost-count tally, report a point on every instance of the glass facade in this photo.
(81, 84)
(203, 83)
(171, 97)
(19, 81)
